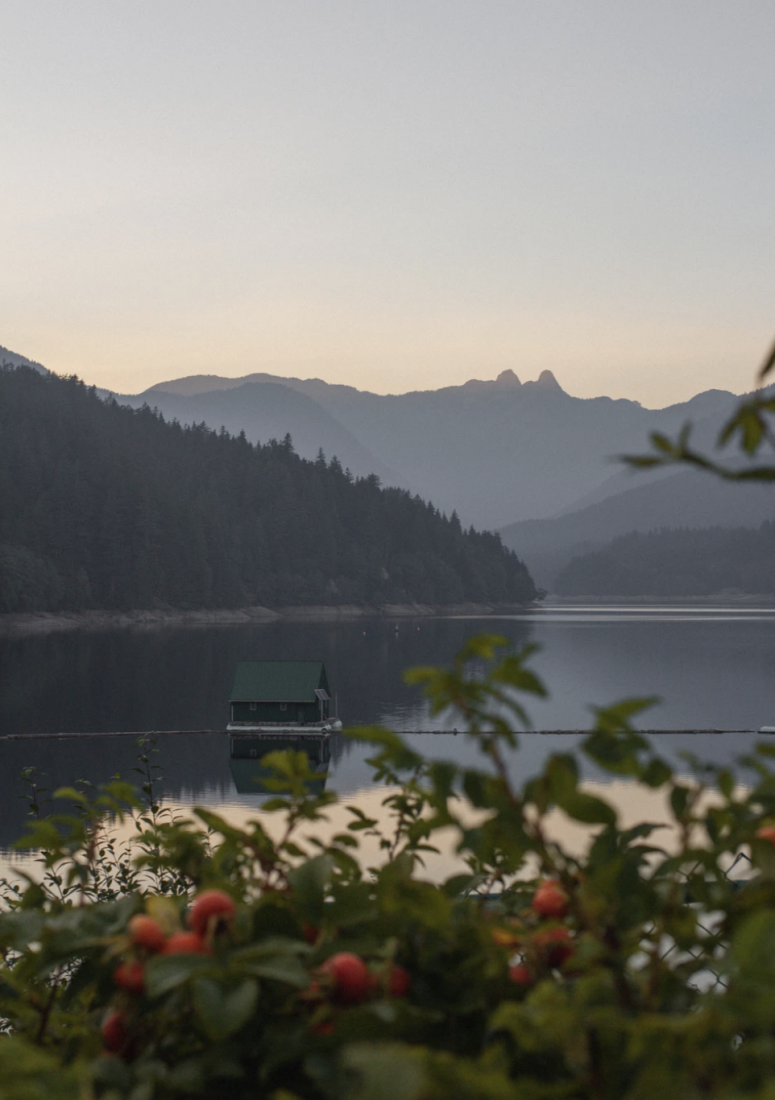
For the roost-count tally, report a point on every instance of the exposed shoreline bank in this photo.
(49, 622)
(44, 622)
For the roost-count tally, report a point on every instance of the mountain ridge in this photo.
(523, 457)
(107, 507)
(496, 451)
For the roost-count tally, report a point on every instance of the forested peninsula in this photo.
(677, 562)
(107, 507)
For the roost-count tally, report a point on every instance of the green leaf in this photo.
(167, 972)
(384, 1071)
(768, 364)
(310, 881)
(726, 782)
(679, 798)
(218, 824)
(587, 808)
(656, 773)
(224, 1011)
(617, 717)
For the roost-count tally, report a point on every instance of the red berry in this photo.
(210, 908)
(521, 975)
(767, 832)
(130, 976)
(325, 1027)
(550, 900)
(115, 1032)
(554, 945)
(146, 932)
(399, 982)
(186, 943)
(350, 977)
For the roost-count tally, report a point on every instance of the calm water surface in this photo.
(713, 668)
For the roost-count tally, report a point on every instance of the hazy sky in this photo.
(396, 194)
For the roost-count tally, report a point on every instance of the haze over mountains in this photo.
(523, 457)
(497, 452)
(680, 500)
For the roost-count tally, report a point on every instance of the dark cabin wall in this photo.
(271, 712)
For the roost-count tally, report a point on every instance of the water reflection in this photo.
(250, 773)
(714, 667)
(205, 769)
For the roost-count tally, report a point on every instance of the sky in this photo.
(392, 194)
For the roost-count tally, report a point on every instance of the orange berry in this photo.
(350, 977)
(210, 907)
(145, 932)
(186, 943)
(521, 975)
(130, 976)
(766, 832)
(550, 900)
(506, 937)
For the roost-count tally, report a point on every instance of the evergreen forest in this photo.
(103, 506)
(676, 562)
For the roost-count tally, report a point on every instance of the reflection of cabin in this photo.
(250, 773)
(280, 692)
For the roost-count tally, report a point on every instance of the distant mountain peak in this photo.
(547, 380)
(506, 379)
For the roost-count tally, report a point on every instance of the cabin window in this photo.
(283, 706)
(252, 706)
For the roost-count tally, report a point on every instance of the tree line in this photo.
(103, 506)
(676, 562)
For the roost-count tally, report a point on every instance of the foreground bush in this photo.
(207, 960)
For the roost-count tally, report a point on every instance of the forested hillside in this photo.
(103, 506)
(686, 498)
(679, 562)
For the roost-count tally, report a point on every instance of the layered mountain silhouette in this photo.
(687, 499)
(524, 457)
(494, 451)
(266, 410)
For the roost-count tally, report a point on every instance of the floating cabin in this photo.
(285, 694)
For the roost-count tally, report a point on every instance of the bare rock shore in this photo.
(48, 622)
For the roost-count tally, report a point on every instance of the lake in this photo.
(714, 668)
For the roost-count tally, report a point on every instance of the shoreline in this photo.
(49, 622)
(721, 599)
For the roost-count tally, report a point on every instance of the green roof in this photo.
(278, 681)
